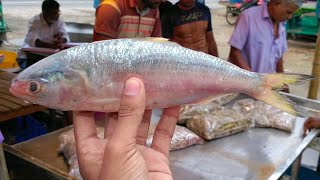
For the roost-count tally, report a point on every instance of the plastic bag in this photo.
(189, 111)
(268, 116)
(244, 106)
(67, 147)
(225, 99)
(264, 115)
(182, 138)
(219, 123)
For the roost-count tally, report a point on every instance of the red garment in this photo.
(120, 19)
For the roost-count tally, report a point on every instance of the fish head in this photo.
(58, 88)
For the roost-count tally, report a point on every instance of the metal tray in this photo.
(259, 153)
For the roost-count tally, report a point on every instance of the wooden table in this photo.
(39, 154)
(11, 106)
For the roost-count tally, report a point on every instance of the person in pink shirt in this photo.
(259, 38)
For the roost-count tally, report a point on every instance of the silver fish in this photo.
(91, 77)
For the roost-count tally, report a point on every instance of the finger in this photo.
(143, 128)
(165, 130)
(84, 125)
(305, 129)
(131, 110)
(309, 125)
(305, 126)
(110, 124)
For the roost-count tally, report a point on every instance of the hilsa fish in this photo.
(91, 77)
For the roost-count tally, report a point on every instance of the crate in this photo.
(235, 1)
(9, 60)
(28, 127)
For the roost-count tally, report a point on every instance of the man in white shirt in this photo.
(45, 30)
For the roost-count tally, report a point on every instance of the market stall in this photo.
(258, 153)
(11, 107)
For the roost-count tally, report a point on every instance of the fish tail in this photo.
(274, 82)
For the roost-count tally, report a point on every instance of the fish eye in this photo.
(34, 87)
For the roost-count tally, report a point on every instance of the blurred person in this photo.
(259, 39)
(127, 19)
(96, 3)
(164, 7)
(189, 24)
(311, 123)
(45, 30)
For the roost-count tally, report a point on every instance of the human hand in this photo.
(122, 154)
(43, 44)
(59, 40)
(311, 123)
(285, 88)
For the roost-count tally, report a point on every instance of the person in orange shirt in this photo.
(127, 19)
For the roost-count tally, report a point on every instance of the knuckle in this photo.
(163, 133)
(120, 149)
(130, 110)
(113, 148)
(172, 113)
(128, 107)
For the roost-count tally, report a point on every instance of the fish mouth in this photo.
(18, 88)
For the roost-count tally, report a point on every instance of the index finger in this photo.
(143, 128)
(84, 125)
(132, 107)
(165, 130)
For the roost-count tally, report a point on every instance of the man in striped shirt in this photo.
(127, 19)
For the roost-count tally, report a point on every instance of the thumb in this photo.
(132, 106)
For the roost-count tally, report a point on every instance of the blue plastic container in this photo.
(235, 1)
(29, 127)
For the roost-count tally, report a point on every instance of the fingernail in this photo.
(132, 87)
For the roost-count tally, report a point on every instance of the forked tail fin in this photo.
(273, 82)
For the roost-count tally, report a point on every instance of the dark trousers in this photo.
(33, 58)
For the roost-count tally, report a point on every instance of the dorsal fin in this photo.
(158, 40)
